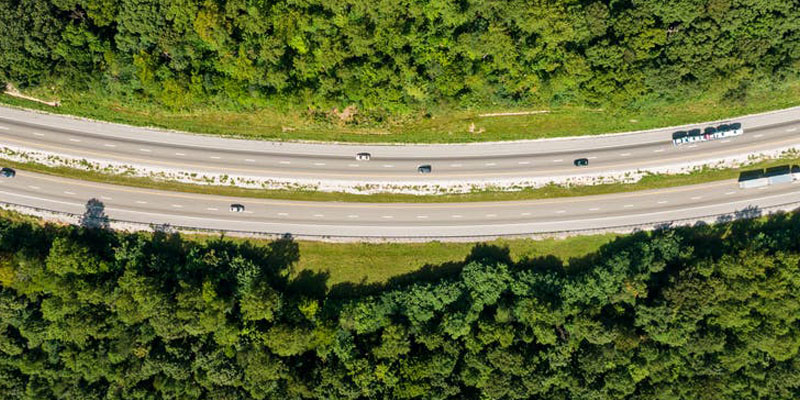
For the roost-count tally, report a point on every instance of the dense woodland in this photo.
(709, 312)
(390, 56)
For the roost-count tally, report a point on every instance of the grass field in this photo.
(548, 192)
(445, 125)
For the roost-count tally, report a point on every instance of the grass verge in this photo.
(445, 125)
(377, 263)
(547, 192)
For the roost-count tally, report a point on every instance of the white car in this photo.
(363, 156)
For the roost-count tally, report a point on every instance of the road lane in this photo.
(376, 220)
(528, 159)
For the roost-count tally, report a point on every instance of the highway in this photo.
(464, 162)
(373, 220)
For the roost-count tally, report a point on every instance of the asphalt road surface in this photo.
(466, 162)
(373, 220)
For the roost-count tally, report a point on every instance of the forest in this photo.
(703, 312)
(388, 57)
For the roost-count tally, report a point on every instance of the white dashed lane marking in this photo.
(663, 202)
(38, 134)
(559, 160)
(145, 150)
(109, 145)
(141, 202)
(791, 129)
(215, 157)
(490, 164)
(388, 166)
(74, 140)
(525, 214)
(352, 165)
(455, 165)
(352, 216)
(177, 206)
(561, 211)
(524, 162)
(624, 154)
(105, 197)
(387, 216)
(319, 164)
(212, 209)
(594, 209)
(696, 197)
(759, 135)
(68, 192)
(592, 158)
(422, 216)
(285, 162)
(319, 215)
(627, 206)
(283, 214)
(456, 216)
(249, 160)
(180, 154)
(658, 151)
(5, 128)
(33, 187)
(491, 215)
(729, 193)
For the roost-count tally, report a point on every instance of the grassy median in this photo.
(441, 125)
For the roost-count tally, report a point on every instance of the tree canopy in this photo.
(709, 312)
(388, 55)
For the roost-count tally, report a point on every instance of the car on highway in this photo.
(8, 173)
(237, 208)
(363, 156)
(424, 169)
(581, 162)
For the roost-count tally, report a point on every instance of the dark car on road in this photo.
(581, 162)
(424, 169)
(7, 173)
(237, 208)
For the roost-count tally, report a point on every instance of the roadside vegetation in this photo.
(709, 312)
(654, 181)
(382, 71)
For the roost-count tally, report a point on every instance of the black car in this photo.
(237, 208)
(424, 169)
(710, 130)
(581, 162)
(7, 173)
(695, 132)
